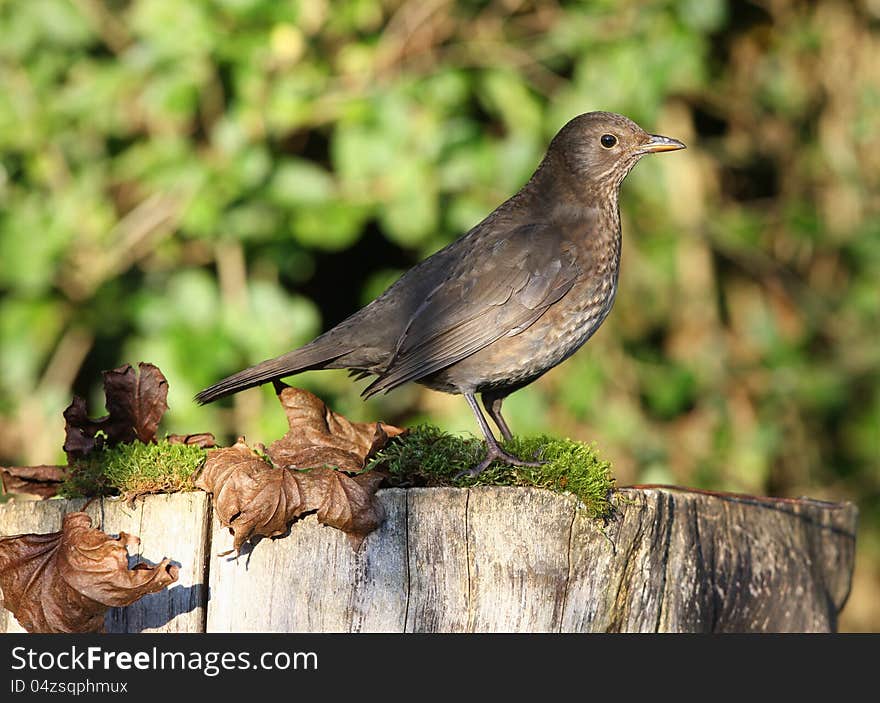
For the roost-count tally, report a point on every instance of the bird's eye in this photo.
(608, 140)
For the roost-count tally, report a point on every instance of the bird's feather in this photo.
(497, 292)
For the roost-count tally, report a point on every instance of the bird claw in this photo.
(495, 454)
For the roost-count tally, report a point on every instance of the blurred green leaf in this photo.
(298, 182)
(199, 184)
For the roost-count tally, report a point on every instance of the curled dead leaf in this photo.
(66, 581)
(135, 404)
(205, 440)
(347, 503)
(41, 481)
(251, 497)
(308, 470)
(320, 437)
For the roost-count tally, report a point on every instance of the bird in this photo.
(513, 297)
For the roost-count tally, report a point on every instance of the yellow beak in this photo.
(658, 143)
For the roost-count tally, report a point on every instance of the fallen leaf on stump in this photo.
(311, 473)
(135, 405)
(205, 440)
(251, 497)
(136, 402)
(66, 581)
(318, 436)
(41, 481)
(347, 503)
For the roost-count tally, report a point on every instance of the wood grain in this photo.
(494, 559)
(437, 552)
(517, 559)
(174, 526)
(37, 517)
(311, 580)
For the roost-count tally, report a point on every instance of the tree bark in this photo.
(173, 525)
(495, 560)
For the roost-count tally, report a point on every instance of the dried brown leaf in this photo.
(252, 497)
(347, 503)
(205, 440)
(42, 481)
(135, 404)
(320, 437)
(81, 433)
(66, 581)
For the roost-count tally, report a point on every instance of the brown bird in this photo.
(503, 304)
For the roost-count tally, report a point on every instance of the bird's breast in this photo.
(565, 328)
(517, 359)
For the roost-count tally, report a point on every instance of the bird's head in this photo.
(600, 148)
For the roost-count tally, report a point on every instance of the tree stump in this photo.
(172, 525)
(494, 559)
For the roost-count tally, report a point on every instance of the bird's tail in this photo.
(311, 356)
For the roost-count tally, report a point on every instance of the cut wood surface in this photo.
(173, 526)
(38, 517)
(492, 559)
(312, 580)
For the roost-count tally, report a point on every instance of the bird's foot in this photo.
(494, 454)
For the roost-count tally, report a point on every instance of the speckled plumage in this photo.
(506, 302)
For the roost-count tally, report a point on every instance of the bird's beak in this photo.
(658, 142)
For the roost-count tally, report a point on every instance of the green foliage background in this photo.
(204, 185)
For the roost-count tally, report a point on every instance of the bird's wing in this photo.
(496, 292)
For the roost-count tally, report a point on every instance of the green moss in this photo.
(426, 456)
(134, 469)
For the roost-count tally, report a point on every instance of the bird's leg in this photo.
(495, 452)
(492, 403)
